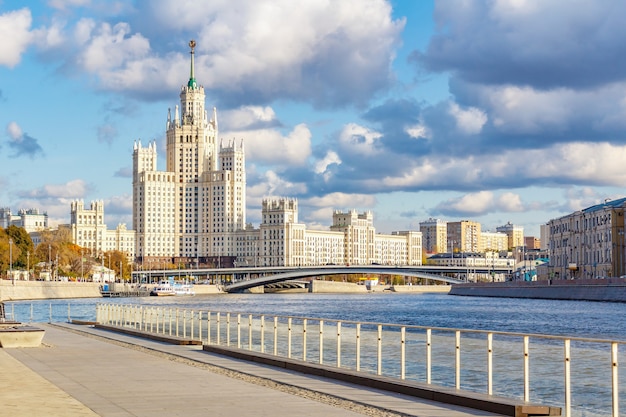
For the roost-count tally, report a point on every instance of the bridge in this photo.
(242, 278)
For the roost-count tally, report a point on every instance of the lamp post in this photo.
(27, 266)
(11, 260)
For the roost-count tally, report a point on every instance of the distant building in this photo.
(531, 242)
(434, 235)
(588, 243)
(514, 233)
(352, 240)
(493, 242)
(30, 219)
(464, 236)
(89, 231)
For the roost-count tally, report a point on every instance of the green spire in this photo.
(192, 78)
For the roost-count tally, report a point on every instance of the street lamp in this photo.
(27, 266)
(11, 260)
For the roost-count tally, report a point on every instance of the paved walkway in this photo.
(84, 374)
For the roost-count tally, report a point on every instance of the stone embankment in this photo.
(613, 289)
(41, 290)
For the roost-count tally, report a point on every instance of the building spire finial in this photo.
(192, 77)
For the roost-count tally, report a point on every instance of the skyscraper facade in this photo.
(193, 208)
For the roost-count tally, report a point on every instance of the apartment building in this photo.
(89, 231)
(588, 243)
(194, 207)
(434, 235)
(514, 233)
(464, 236)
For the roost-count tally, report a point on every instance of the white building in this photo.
(89, 231)
(30, 219)
(194, 207)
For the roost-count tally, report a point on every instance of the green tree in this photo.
(22, 246)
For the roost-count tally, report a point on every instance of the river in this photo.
(552, 317)
(581, 319)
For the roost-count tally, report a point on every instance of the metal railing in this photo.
(578, 374)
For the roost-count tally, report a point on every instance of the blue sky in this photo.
(491, 111)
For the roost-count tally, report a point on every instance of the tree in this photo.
(21, 247)
(119, 263)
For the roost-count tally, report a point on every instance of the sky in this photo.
(493, 111)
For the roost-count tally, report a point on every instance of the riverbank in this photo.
(43, 290)
(49, 290)
(613, 290)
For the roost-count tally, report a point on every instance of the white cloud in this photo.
(560, 163)
(272, 185)
(321, 166)
(15, 35)
(245, 116)
(269, 146)
(419, 131)
(340, 201)
(469, 121)
(14, 131)
(72, 189)
(359, 139)
(509, 202)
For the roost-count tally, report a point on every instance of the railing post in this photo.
(379, 351)
(185, 324)
(526, 370)
(358, 347)
(338, 344)
(177, 321)
(321, 341)
(615, 379)
(275, 335)
(208, 328)
(238, 331)
(249, 331)
(458, 359)
(289, 337)
(402, 352)
(170, 324)
(304, 340)
(227, 329)
(567, 382)
(429, 363)
(217, 321)
(191, 324)
(490, 363)
(200, 325)
(262, 333)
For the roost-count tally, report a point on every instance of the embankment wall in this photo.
(40, 290)
(587, 290)
(420, 288)
(318, 286)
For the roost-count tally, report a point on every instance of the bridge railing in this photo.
(578, 374)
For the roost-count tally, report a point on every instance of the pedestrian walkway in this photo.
(83, 371)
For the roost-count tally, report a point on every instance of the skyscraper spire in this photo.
(192, 77)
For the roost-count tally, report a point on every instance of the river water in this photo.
(577, 319)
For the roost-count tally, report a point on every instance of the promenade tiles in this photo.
(114, 381)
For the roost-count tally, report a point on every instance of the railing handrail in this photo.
(416, 327)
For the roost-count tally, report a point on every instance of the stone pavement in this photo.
(83, 371)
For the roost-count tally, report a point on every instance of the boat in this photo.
(183, 289)
(163, 288)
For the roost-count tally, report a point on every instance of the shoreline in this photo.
(50, 290)
(610, 290)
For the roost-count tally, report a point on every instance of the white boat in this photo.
(184, 289)
(163, 288)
